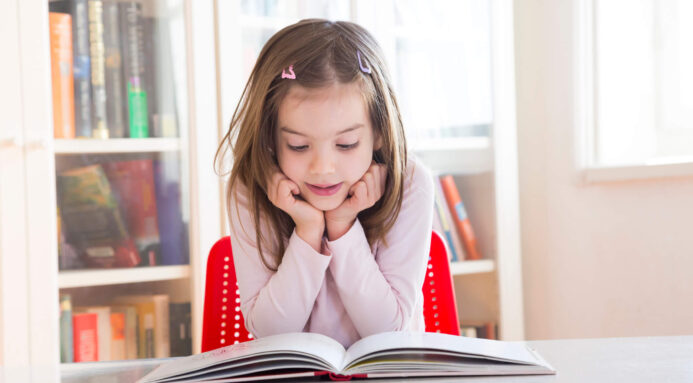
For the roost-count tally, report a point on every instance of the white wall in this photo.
(600, 260)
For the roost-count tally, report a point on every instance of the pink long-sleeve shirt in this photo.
(350, 293)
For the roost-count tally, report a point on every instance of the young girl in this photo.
(331, 221)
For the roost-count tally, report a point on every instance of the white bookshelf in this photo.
(455, 155)
(116, 145)
(103, 277)
(472, 267)
(34, 156)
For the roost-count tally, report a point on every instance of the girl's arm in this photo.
(380, 291)
(274, 302)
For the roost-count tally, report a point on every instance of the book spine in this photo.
(459, 216)
(163, 323)
(117, 336)
(98, 68)
(115, 109)
(172, 233)
(150, 75)
(130, 328)
(180, 329)
(66, 334)
(133, 65)
(147, 334)
(451, 236)
(81, 68)
(103, 331)
(85, 333)
(60, 25)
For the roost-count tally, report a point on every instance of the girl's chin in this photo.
(327, 204)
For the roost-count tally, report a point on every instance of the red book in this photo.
(85, 338)
(459, 216)
(60, 25)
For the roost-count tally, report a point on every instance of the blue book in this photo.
(173, 232)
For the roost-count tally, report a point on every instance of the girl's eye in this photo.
(298, 148)
(349, 146)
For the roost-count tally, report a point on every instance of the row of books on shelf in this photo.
(130, 327)
(121, 214)
(450, 219)
(111, 71)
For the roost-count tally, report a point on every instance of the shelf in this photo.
(455, 155)
(116, 145)
(472, 267)
(101, 277)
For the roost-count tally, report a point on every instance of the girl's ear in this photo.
(378, 142)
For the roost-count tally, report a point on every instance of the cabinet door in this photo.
(114, 246)
(14, 347)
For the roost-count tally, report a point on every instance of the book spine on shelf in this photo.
(451, 236)
(98, 69)
(459, 216)
(130, 328)
(172, 231)
(115, 110)
(85, 337)
(60, 25)
(81, 67)
(103, 330)
(133, 68)
(118, 351)
(161, 93)
(180, 329)
(66, 334)
(153, 314)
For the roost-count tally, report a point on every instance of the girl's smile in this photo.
(324, 190)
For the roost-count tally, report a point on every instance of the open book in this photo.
(391, 354)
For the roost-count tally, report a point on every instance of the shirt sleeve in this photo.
(274, 302)
(379, 290)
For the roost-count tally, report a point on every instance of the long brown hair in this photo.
(322, 52)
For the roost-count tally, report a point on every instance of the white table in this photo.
(632, 360)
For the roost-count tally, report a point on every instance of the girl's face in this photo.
(324, 141)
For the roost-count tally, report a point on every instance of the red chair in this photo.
(223, 323)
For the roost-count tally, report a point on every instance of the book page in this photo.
(394, 342)
(311, 345)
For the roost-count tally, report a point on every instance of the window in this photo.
(439, 54)
(642, 81)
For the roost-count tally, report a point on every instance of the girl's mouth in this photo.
(325, 190)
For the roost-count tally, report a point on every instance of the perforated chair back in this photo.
(440, 307)
(223, 323)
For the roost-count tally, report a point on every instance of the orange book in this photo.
(61, 75)
(85, 337)
(459, 216)
(117, 336)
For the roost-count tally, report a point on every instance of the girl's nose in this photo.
(322, 163)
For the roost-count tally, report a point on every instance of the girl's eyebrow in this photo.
(349, 129)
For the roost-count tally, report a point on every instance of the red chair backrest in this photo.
(440, 307)
(223, 323)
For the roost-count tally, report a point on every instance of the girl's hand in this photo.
(285, 194)
(362, 195)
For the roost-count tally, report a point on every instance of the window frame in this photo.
(585, 114)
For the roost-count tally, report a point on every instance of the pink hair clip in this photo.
(364, 69)
(291, 73)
